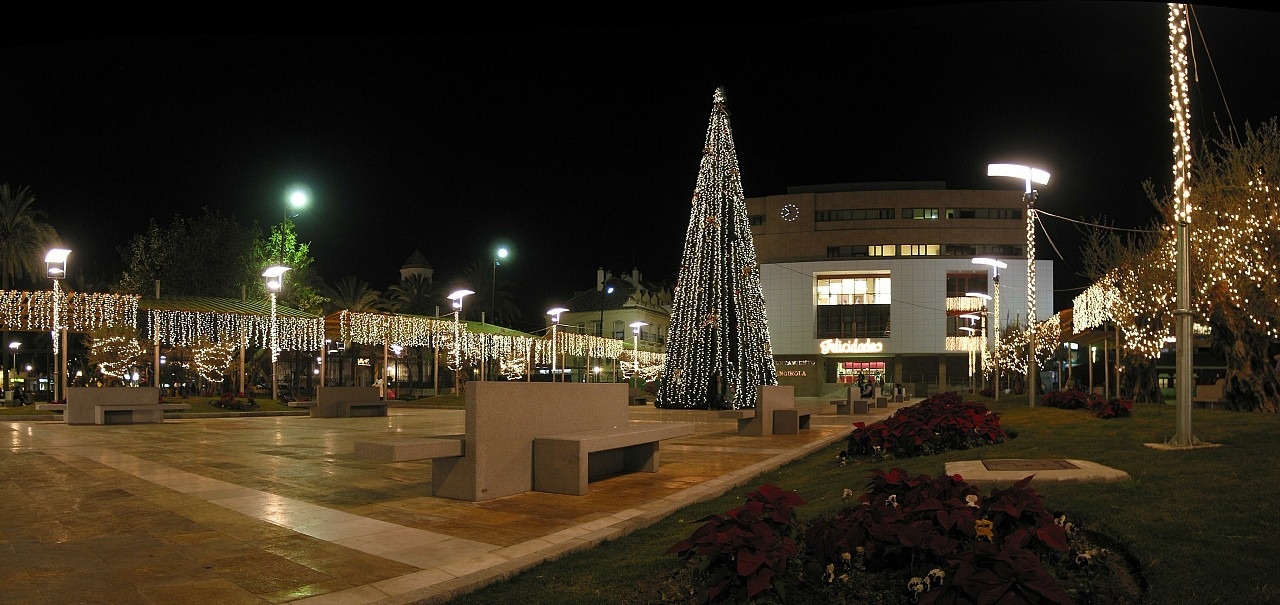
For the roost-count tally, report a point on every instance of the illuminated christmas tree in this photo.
(718, 351)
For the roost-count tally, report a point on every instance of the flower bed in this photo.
(939, 423)
(905, 540)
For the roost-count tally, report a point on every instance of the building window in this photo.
(920, 213)
(853, 306)
(853, 214)
(756, 220)
(854, 290)
(998, 213)
(919, 249)
(961, 283)
(853, 321)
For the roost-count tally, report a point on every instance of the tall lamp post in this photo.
(456, 296)
(996, 265)
(498, 255)
(274, 279)
(56, 268)
(13, 345)
(555, 321)
(1029, 176)
(635, 351)
(605, 292)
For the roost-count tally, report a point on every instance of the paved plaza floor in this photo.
(277, 509)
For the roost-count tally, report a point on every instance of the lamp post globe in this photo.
(56, 268)
(273, 278)
(555, 322)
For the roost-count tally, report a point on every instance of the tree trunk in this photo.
(1252, 384)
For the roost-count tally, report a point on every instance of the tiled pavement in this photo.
(277, 509)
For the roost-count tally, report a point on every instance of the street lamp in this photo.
(996, 265)
(298, 198)
(274, 278)
(456, 296)
(555, 321)
(14, 345)
(635, 334)
(56, 268)
(498, 255)
(1028, 175)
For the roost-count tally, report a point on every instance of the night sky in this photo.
(578, 145)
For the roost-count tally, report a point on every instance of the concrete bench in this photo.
(400, 450)
(1207, 395)
(134, 413)
(843, 407)
(791, 421)
(566, 462)
(347, 402)
(882, 402)
(301, 404)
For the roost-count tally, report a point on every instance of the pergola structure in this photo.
(194, 321)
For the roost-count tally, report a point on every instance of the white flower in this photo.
(846, 557)
(831, 573)
(971, 500)
(935, 576)
(916, 585)
(848, 493)
(892, 501)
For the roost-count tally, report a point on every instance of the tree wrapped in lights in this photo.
(211, 360)
(114, 350)
(718, 350)
(1134, 291)
(1235, 254)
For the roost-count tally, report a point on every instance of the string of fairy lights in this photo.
(49, 310)
(719, 331)
(514, 353)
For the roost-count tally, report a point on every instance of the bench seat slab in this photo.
(409, 449)
(565, 463)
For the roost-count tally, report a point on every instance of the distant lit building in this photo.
(599, 312)
(870, 279)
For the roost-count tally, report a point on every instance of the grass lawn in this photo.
(1202, 523)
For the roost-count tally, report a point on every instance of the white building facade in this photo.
(870, 281)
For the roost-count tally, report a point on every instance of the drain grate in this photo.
(1028, 465)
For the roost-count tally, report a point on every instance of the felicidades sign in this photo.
(835, 345)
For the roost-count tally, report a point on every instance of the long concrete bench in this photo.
(401, 450)
(792, 421)
(566, 462)
(348, 402)
(760, 420)
(113, 405)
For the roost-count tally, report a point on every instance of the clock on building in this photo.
(790, 212)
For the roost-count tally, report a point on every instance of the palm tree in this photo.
(24, 236)
(415, 295)
(352, 294)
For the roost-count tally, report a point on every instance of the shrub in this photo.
(942, 422)
(931, 529)
(1079, 400)
(737, 557)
